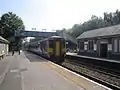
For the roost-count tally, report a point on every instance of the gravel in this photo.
(94, 73)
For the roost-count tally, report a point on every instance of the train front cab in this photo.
(57, 49)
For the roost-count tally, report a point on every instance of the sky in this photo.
(57, 14)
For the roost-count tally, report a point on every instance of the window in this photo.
(81, 45)
(119, 45)
(45, 46)
(115, 45)
(86, 45)
(90, 45)
(95, 47)
(51, 43)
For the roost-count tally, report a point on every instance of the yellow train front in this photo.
(53, 48)
(56, 49)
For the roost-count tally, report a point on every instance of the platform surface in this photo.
(29, 72)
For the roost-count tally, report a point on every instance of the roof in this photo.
(38, 41)
(3, 40)
(55, 37)
(107, 31)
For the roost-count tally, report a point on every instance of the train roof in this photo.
(55, 37)
(3, 40)
(36, 42)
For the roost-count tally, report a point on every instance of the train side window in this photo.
(45, 46)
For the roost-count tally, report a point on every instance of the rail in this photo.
(101, 70)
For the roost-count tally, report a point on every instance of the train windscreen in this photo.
(51, 44)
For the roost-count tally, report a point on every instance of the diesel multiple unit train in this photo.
(53, 48)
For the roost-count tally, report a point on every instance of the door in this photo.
(103, 50)
(57, 48)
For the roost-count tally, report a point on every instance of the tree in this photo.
(116, 17)
(108, 18)
(9, 24)
(95, 22)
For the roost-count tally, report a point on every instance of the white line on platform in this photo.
(4, 74)
(22, 81)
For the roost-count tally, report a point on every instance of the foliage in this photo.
(95, 22)
(9, 24)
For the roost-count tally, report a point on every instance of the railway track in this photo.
(102, 75)
(111, 72)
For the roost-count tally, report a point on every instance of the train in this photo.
(4, 47)
(53, 48)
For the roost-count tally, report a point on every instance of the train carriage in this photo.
(53, 48)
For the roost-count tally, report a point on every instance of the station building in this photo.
(102, 42)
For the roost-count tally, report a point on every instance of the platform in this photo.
(96, 58)
(31, 72)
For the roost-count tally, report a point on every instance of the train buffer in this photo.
(28, 71)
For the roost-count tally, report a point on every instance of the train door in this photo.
(57, 48)
(51, 49)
